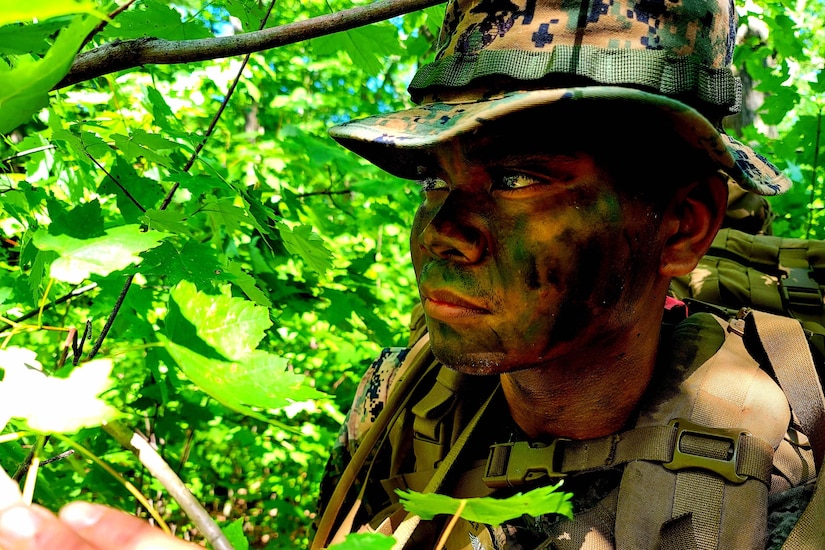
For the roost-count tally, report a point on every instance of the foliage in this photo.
(253, 301)
(492, 511)
(239, 278)
(784, 54)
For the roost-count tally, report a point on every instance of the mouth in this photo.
(445, 305)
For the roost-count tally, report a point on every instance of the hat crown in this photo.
(682, 49)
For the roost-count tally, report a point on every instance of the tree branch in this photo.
(120, 55)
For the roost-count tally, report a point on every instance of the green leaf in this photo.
(194, 262)
(234, 534)
(132, 149)
(232, 326)
(157, 19)
(367, 47)
(65, 222)
(492, 511)
(261, 380)
(48, 404)
(26, 87)
(12, 11)
(125, 183)
(300, 241)
(365, 541)
(247, 284)
(23, 39)
(165, 220)
(79, 258)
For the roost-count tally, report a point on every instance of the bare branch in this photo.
(121, 55)
(158, 467)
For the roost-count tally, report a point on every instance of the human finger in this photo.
(108, 528)
(9, 491)
(81, 526)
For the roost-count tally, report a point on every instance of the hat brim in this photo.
(402, 142)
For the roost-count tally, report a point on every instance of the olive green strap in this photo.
(401, 391)
(405, 530)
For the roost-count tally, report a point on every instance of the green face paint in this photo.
(521, 257)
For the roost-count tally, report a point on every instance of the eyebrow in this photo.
(517, 152)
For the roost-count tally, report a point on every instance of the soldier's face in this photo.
(525, 254)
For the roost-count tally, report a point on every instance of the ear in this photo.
(691, 221)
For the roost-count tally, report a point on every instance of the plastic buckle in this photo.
(800, 289)
(737, 324)
(726, 468)
(519, 462)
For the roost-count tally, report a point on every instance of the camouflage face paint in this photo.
(521, 258)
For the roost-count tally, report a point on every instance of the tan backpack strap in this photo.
(411, 370)
(692, 507)
(787, 349)
(407, 527)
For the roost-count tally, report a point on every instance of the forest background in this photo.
(182, 237)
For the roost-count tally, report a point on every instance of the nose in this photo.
(457, 232)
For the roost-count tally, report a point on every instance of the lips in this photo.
(446, 305)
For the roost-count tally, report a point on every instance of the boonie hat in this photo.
(499, 57)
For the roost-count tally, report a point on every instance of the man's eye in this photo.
(433, 184)
(509, 182)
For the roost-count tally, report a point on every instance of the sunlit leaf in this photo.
(26, 86)
(303, 243)
(48, 404)
(235, 536)
(365, 541)
(12, 11)
(261, 380)
(232, 326)
(489, 510)
(80, 258)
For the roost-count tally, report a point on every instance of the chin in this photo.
(480, 364)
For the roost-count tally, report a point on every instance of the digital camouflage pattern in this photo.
(498, 57)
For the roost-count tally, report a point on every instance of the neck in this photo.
(586, 393)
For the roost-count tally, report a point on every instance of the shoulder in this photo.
(372, 393)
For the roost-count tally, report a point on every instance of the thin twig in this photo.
(120, 185)
(61, 456)
(123, 481)
(78, 351)
(58, 301)
(28, 152)
(102, 25)
(813, 175)
(112, 315)
(173, 484)
(168, 199)
(27, 462)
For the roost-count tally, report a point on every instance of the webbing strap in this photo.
(411, 367)
(405, 530)
(787, 349)
(734, 457)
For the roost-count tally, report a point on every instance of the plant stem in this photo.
(158, 467)
(34, 465)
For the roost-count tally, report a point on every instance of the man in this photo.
(566, 178)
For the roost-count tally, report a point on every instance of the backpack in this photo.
(770, 274)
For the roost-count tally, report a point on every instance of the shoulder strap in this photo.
(412, 367)
(797, 375)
